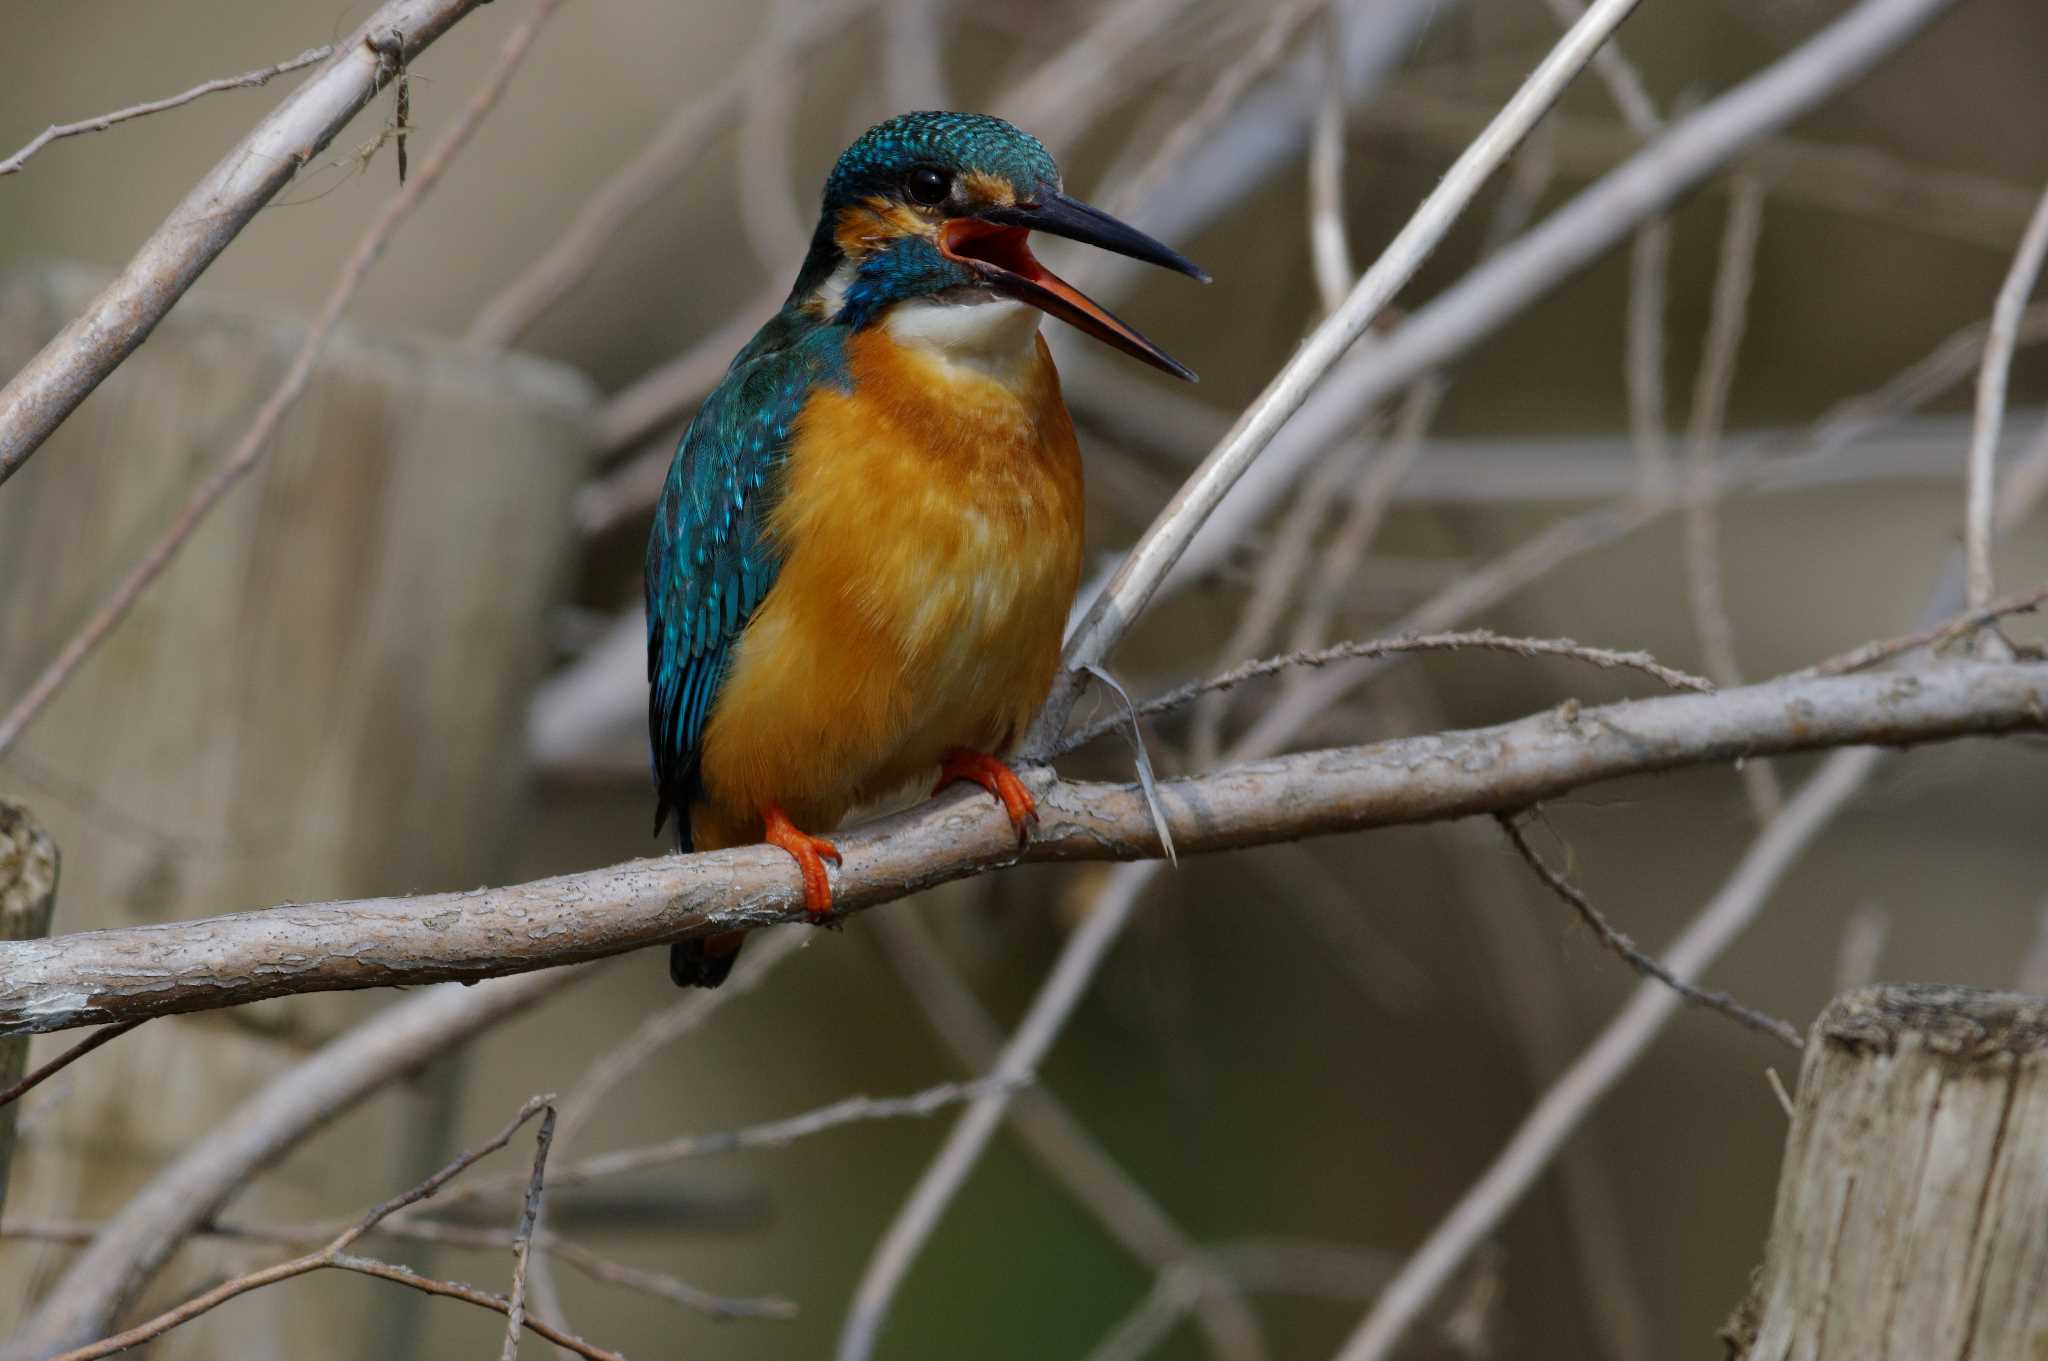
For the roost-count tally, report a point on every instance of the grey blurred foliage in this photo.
(1315, 1044)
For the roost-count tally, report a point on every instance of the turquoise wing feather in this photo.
(710, 558)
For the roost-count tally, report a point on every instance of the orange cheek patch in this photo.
(865, 226)
(991, 191)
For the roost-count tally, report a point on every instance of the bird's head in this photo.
(940, 206)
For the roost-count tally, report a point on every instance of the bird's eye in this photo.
(929, 185)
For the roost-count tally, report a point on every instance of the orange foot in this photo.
(809, 852)
(998, 779)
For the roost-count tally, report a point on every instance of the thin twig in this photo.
(416, 1229)
(663, 1028)
(1727, 319)
(522, 1237)
(1648, 275)
(1326, 1271)
(1482, 639)
(1053, 1134)
(1537, 1020)
(1991, 385)
(771, 221)
(1225, 90)
(920, 1214)
(1625, 84)
(1148, 783)
(1275, 588)
(1169, 535)
(674, 148)
(256, 440)
(64, 1060)
(1549, 1125)
(1968, 622)
(652, 1035)
(768, 1134)
(1618, 942)
(1329, 238)
(1957, 357)
(261, 76)
(1529, 176)
(469, 1294)
(1474, 307)
(101, 1282)
(335, 1254)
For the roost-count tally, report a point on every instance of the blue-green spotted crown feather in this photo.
(962, 141)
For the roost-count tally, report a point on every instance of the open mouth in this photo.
(1001, 254)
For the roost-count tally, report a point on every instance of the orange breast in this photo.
(931, 535)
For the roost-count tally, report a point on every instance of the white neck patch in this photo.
(995, 337)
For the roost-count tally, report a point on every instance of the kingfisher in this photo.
(869, 540)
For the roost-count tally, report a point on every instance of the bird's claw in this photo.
(999, 780)
(809, 852)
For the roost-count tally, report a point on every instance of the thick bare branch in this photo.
(114, 975)
(200, 228)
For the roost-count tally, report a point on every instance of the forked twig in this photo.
(335, 1255)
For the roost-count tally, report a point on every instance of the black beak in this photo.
(1057, 215)
(994, 244)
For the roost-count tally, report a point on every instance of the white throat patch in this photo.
(996, 337)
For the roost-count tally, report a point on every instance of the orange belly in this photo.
(930, 531)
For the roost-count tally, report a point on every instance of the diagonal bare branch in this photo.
(52, 385)
(256, 439)
(96, 976)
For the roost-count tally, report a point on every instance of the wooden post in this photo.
(1912, 1216)
(323, 696)
(28, 894)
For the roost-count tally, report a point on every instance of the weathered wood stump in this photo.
(1912, 1215)
(323, 696)
(28, 895)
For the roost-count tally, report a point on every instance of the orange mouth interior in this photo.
(1007, 249)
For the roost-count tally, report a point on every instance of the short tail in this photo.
(704, 961)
